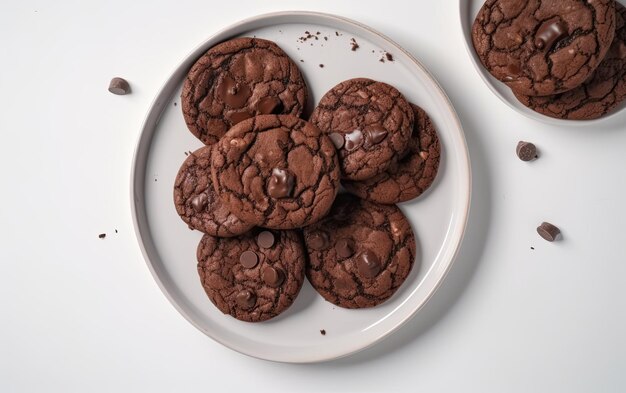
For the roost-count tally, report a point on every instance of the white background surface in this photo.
(84, 314)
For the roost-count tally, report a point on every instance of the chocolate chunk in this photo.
(119, 86)
(368, 264)
(233, 93)
(375, 134)
(199, 202)
(273, 276)
(318, 240)
(548, 231)
(337, 139)
(246, 299)
(265, 239)
(344, 248)
(269, 105)
(354, 140)
(249, 259)
(281, 183)
(238, 117)
(526, 151)
(549, 33)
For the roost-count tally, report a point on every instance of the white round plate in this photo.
(438, 218)
(468, 9)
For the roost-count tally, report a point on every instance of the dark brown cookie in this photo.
(276, 171)
(370, 122)
(360, 253)
(196, 201)
(543, 47)
(411, 175)
(250, 277)
(236, 80)
(602, 93)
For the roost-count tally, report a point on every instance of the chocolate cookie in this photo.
(410, 176)
(236, 80)
(276, 171)
(370, 122)
(543, 47)
(600, 94)
(253, 277)
(360, 254)
(196, 201)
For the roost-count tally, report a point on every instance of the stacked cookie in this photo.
(265, 187)
(562, 58)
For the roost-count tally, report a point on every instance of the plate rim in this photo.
(464, 8)
(145, 136)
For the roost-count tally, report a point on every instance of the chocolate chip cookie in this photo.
(360, 254)
(543, 47)
(253, 277)
(276, 171)
(601, 94)
(370, 122)
(411, 175)
(236, 80)
(196, 201)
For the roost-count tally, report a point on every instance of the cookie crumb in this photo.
(323, 332)
(102, 235)
(116, 231)
(382, 59)
(337, 33)
(325, 38)
(301, 61)
(318, 33)
(532, 248)
(321, 65)
(186, 153)
(174, 104)
(354, 44)
(389, 56)
(155, 179)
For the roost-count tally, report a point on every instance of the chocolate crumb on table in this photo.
(532, 248)
(354, 44)
(116, 231)
(102, 235)
(321, 65)
(323, 332)
(389, 56)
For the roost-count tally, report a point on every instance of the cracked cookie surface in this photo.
(276, 171)
(360, 254)
(196, 201)
(370, 122)
(236, 80)
(252, 277)
(601, 94)
(411, 175)
(543, 47)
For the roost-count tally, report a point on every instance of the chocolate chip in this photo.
(238, 117)
(199, 202)
(337, 139)
(265, 239)
(280, 184)
(549, 33)
(318, 240)
(269, 105)
(526, 151)
(102, 235)
(273, 276)
(344, 248)
(376, 134)
(249, 259)
(548, 231)
(368, 264)
(354, 140)
(246, 299)
(233, 93)
(119, 86)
